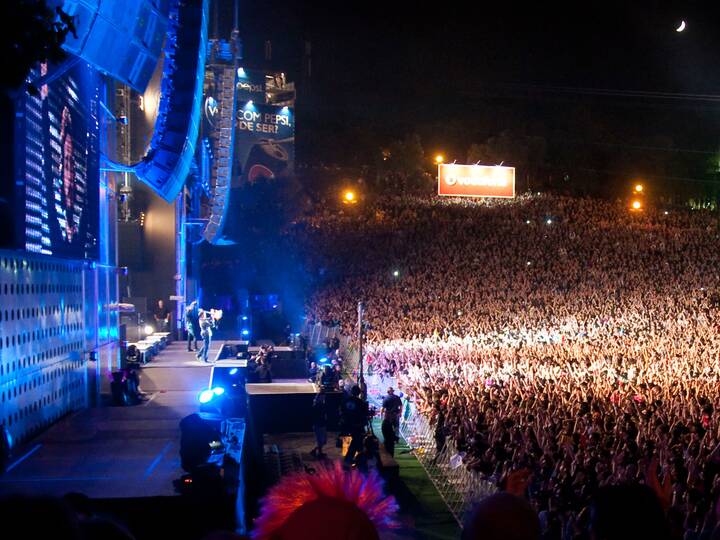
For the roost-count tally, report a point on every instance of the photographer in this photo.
(354, 413)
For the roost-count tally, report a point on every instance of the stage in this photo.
(110, 452)
(282, 386)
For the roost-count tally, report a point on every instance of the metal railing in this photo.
(318, 333)
(459, 487)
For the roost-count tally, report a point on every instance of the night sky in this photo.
(451, 72)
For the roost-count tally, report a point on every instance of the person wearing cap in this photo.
(391, 407)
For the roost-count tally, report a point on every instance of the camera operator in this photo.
(355, 413)
(391, 408)
(328, 379)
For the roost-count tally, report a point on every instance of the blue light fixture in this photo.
(233, 371)
(245, 332)
(206, 396)
(244, 317)
(219, 391)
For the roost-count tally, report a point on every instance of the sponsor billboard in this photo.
(264, 142)
(250, 85)
(476, 181)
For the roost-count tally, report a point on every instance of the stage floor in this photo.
(282, 386)
(110, 452)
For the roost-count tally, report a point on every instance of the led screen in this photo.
(57, 151)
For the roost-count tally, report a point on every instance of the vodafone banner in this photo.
(476, 181)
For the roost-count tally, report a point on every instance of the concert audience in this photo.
(571, 338)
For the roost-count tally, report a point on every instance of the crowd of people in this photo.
(572, 339)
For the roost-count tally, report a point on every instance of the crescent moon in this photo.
(681, 27)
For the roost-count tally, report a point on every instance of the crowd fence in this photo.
(459, 487)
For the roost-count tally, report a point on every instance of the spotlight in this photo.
(549, 221)
(639, 188)
(241, 73)
(396, 273)
(245, 332)
(244, 317)
(636, 205)
(439, 159)
(527, 222)
(149, 329)
(219, 391)
(206, 396)
(233, 371)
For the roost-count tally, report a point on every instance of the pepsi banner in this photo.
(264, 142)
(250, 85)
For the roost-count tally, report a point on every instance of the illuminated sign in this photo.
(211, 109)
(476, 181)
(250, 85)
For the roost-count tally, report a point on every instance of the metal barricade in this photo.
(459, 487)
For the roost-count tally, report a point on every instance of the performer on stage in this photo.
(208, 321)
(192, 325)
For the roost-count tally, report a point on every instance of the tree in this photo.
(525, 153)
(32, 32)
(404, 163)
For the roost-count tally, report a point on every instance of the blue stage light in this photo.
(219, 391)
(244, 317)
(233, 371)
(245, 332)
(206, 396)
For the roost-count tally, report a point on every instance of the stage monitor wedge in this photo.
(122, 38)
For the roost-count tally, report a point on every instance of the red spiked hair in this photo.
(323, 503)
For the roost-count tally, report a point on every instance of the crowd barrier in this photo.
(459, 487)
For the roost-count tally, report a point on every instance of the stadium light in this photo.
(349, 197)
(439, 159)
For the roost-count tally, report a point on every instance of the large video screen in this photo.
(57, 165)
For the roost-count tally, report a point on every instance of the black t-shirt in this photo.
(392, 405)
(162, 313)
(354, 412)
(319, 415)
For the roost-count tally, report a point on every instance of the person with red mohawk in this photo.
(332, 504)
